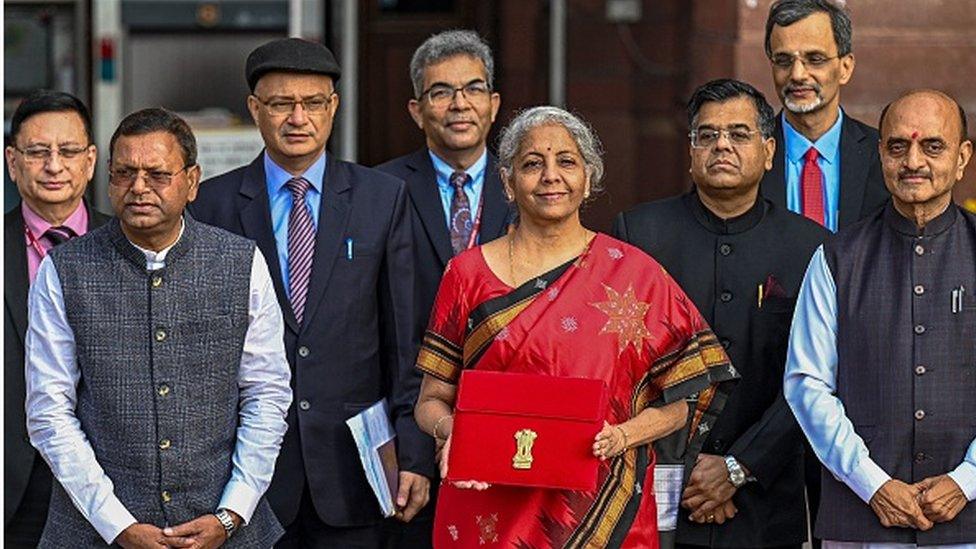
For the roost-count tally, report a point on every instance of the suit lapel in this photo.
(853, 171)
(334, 210)
(773, 184)
(255, 212)
(426, 198)
(16, 281)
(495, 216)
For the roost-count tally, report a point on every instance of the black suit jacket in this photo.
(862, 188)
(18, 454)
(431, 238)
(719, 264)
(354, 345)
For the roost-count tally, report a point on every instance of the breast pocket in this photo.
(768, 332)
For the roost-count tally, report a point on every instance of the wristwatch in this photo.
(736, 475)
(226, 521)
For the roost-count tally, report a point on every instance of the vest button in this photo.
(304, 405)
(163, 390)
(165, 495)
(919, 250)
(920, 370)
(726, 343)
(919, 414)
(920, 457)
(919, 290)
(303, 351)
(919, 329)
(726, 296)
(157, 281)
(160, 334)
(164, 444)
(725, 249)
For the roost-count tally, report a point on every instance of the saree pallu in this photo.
(612, 314)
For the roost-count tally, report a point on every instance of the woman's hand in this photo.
(442, 455)
(610, 442)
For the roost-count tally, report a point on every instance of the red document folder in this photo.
(527, 430)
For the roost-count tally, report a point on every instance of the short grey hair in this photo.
(786, 12)
(449, 44)
(582, 133)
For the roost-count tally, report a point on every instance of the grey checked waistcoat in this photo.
(159, 353)
(906, 369)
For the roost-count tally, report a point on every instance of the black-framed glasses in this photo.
(785, 61)
(45, 154)
(704, 138)
(280, 106)
(440, 95)
(157, 179)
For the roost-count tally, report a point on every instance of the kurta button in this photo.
(919, 290)
(164, 444)
(160, 334)
(165, 495)
(304, 405)
(725, 249)
(920, 370)
(919, 414)
(726, 296)
(303, 351)
(157, 281)
(717, 445)
(919, 457)
(726, 343)
(919, 329)
(919, 250)
(163, 390)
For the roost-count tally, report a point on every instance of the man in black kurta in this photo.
(882, 360)
(741, 260)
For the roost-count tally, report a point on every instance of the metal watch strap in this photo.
(736, 475)
(226, 521)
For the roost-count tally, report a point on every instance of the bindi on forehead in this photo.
(915, 135)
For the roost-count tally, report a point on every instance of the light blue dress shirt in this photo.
(279, 199)
(828, 146)
(810, 388)
(472, 189)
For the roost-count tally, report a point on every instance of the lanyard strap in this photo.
(476, 228)
(32, 240)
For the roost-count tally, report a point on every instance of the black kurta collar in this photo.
(733, 225)
(907, 227)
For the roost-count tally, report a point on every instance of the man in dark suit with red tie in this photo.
(455, 194)
(337, 239)
(51, 158)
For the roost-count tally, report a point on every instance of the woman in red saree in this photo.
(554, 298)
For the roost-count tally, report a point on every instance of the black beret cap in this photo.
(290, 55)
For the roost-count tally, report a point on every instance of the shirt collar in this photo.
(160, 256)
(276, 176)
(797, 144)
(77, 221)
(444, 170)
(938, 225)
(733, 225)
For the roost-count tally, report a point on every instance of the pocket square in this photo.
(772, 288)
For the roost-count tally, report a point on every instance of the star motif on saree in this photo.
(626, 318)
(487, 528)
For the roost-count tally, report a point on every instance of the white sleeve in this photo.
(810, 385)
(965, 474)
(52, 379)
(265, 395)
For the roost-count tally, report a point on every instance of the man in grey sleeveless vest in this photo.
(157, 384)
(881, 369)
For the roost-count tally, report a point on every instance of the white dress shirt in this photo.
(53, 375)
(810, 386)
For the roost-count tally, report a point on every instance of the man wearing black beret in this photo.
(337, 239)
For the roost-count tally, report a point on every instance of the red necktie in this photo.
(812, 183)
(301, 245)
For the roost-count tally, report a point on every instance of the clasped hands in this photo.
(919, 505)
(708, 495)
(203, 532)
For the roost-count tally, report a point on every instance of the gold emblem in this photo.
(524, 439)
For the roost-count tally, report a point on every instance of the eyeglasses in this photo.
(317, 104)
(157, 179)
(440, 95)
(45, 154)
(704, 138)
(809, 60)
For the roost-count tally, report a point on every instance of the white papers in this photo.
(667, 493)
(376, 443)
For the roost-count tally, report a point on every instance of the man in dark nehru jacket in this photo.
(455, 193)
(337, 238)
(881, 368)
(740, 258)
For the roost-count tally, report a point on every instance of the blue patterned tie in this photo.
(460, 213)
(301, 245)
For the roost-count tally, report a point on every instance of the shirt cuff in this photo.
(111, 519)
(866, 479)
(240, 498)
(965, 477)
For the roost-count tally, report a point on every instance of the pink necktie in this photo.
(812, 183)
(301, 245)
